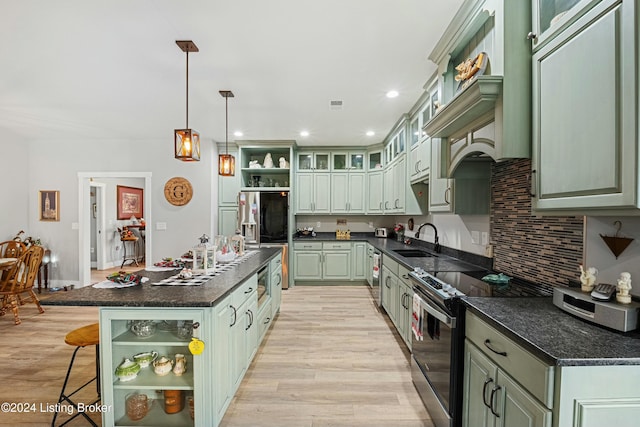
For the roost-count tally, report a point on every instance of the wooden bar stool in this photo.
(81, 337)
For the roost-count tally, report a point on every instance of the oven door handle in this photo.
(438, 314)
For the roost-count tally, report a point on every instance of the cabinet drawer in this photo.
(390, 264)
(297, 246)
(244, 291)
(336, 245)
(275, 263)
(532, 373)
(403, 274)
(264, 320)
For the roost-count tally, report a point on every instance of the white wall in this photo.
(15, 199)
(454, 231)
(54, 165)
(597, 253)
(355, 223)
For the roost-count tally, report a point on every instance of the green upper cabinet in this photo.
(265, 166)
(310, 161)
(374, 159)
(585, 112)
(228, 186)
(493, 33)
(375, 199)
(420, 146)
(312, 192)
(348, 192)
(549, 17)
(348, 161)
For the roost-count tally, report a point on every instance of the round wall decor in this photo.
(178, 191)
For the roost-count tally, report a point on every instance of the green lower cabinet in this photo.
(224, 317)
(390, 293)
(232, 332)
(336, 264)
(119, 343)
(337, 260)
(276, 285)
(359, 257)
(594, 396)
(493, 399)
(405, 301)
(307, 260)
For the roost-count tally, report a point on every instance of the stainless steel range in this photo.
(438, 335)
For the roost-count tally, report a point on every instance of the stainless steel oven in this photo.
(437, 362)
(435, 346)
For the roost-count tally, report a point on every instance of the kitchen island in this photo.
(226, 316)
(525, 358)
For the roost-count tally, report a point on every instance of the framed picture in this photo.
(130, 202)
(49, 203)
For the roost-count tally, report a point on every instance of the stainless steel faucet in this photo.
(435, 240)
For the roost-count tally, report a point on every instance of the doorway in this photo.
(97, 220)
(85, 180)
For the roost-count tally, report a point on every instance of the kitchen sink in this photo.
(413, 253)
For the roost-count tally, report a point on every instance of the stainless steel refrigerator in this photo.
(264, 217)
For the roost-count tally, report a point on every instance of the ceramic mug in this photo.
(137, 406)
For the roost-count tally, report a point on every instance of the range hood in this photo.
(492, 114)
(472, 103)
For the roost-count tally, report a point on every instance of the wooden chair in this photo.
(19, 281)
(12, 249)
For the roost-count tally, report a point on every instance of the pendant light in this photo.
(187, 141)
(226, 162)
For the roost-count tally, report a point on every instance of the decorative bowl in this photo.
(127, 370)
(228, 257)
(145, 359)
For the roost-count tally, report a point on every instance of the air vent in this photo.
(336, 105)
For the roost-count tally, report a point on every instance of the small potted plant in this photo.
(399, 229)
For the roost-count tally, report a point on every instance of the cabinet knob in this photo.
(532, 36)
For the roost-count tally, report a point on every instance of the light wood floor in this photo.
(330, 359)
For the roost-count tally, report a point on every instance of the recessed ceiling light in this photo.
(238, 133)
(304, 133)
(370, 133)
(392, 94)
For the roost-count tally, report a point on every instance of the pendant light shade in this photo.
(187, 141)
(226, 162)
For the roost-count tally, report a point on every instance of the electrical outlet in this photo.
(161, 225)
(93, 250)
(370, 224)
(475, 237)
(318, 224)
(485, 238)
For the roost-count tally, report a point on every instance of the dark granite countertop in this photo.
(147, 295)
(447, 260)
(554, 335)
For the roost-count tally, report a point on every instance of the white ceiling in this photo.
(103, 70)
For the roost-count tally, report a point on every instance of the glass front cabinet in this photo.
(165, 392)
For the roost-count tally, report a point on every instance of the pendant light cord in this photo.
(187, 119)
(226, 125)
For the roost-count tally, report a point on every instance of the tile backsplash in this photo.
(541, 249)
